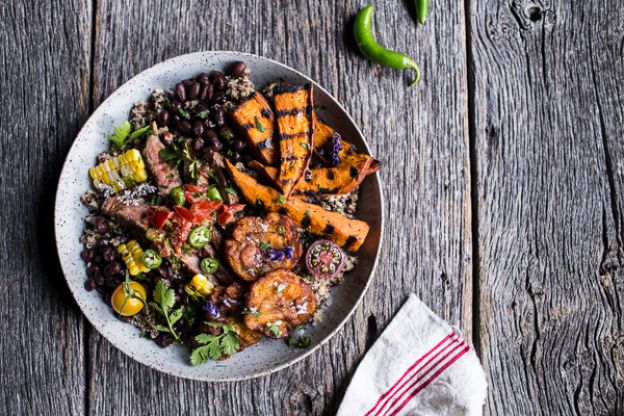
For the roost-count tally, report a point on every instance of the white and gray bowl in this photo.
(268, 355)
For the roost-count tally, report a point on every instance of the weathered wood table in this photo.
(503, 176)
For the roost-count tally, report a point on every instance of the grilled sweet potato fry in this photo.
(255, 117)
(342, 230)
(295, 126)
(279, 301)
(259, 245)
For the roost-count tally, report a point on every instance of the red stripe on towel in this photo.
(452, 336)
(407, 397)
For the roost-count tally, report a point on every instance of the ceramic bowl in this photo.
(268, 355)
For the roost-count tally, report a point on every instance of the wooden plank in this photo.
(44, 78)
(420, 135)
(548, 126)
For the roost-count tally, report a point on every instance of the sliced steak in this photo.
(134, 215)
(165, 176)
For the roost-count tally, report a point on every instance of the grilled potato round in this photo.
(278, 302)
(259, 245)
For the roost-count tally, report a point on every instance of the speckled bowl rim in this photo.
(137, 357)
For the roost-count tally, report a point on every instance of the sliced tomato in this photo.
(160, 217)
(194, 188)
(225, 218)
(234, 208)
(184, 213)
(206, 205)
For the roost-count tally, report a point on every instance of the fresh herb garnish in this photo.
(202, 114)
(259, 203)
(231, 191)
(251, 311)
(174, 156)
(264, 245)
(305, 145)
(280, 229)
(140, 132)
(164, 300)
(120, 134)
(184, 113)
(274, 329)
(280, 199)
(306, 212)
(300, 342)
(259, 125)
(215, 346)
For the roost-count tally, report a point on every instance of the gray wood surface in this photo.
(503, 168)
(548, 156)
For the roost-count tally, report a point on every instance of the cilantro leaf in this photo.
(165, 299)
(120, 134)
(139, 133)
(164, 296)
(259, 125)
(215, 346)
(230, 343)
(274, 329)
(264, 245)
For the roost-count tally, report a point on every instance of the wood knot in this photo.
(535, 14)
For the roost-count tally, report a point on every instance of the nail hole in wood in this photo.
(535, 14)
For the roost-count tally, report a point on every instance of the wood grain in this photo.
(547, 125)
(420, 135)
(44, 78)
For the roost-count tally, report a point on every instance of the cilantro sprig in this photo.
(174, 155)
(120, 133)
(216, 346)
(164, 298)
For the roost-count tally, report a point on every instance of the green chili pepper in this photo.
(177, 196)
(374, 51)
(422, 10)
(154, 234)
(199, 237)
(213, 194)
(209, 265)
(151, 259)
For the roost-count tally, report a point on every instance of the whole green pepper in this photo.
(422, 9)
(374, 51)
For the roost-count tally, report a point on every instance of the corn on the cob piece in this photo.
(132, 255)
(120, 170)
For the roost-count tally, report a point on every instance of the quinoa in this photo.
(145, 111)
(345, 204)
(239, 88)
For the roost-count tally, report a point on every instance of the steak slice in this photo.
(165, 176)
(134, 215)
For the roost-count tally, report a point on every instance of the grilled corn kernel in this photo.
(132, 255)
(119, 171)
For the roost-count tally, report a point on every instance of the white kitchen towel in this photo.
(419, 366)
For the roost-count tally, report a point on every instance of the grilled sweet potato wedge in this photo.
(255, 117)
(259, 245)
(333, 180)
(342, 230)
(295, 125)
(279, 301)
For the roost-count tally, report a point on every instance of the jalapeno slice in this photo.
(177, 196)
(154, 234)
(209, 265)
(213, 194)
(151, 259)
(200, 236)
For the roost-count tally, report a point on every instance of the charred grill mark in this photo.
(353, 172)
(306, 221)
(329, 229)
(350, 241)
(281, 89)
(264, 143)
(247, 126)
(294, 111)
(265, 113)
(290, 158)
(330, 174)
(307, 176)
(288, 136)
(282, 211)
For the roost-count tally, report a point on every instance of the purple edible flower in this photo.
(275, 255)
(211, 309)
(289, 252)
(336, 147)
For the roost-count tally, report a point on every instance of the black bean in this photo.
(199, 108)
(109, 271)
(206, 91)
(236, 157)
(216, 145)
(239, 69)
(177, 105)
(216, 74)
(218, 97)
(100, 224)
(209, 124)
(219, 83)
(184, 127)
(218, 116)
(192, 91)
(87, 254)
(163, 340)
(187, 82)
(175, 120)
(210, 134)
(180, 92)
(238, 145)
(117, 268)
(247, 158)
(198, 143)
(99, 278)
(97, 259)
(163, 118)
(198, 128)
(226, 134)
(108, 253)
(90, 284)
(203, 77)
(91, 269)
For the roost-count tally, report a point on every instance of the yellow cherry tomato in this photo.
(128, 298)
